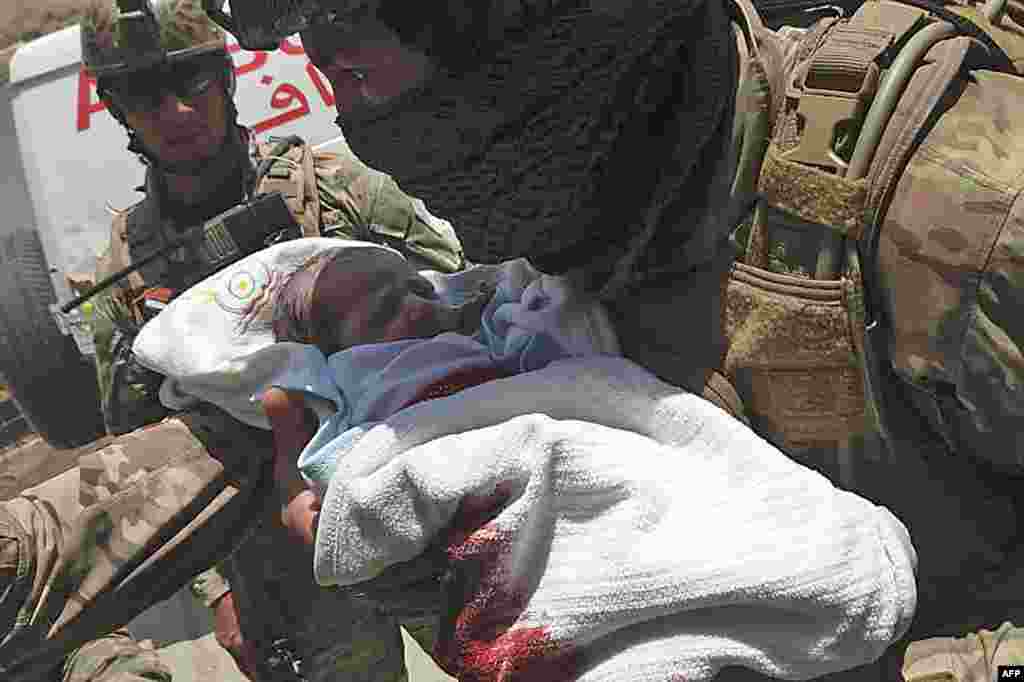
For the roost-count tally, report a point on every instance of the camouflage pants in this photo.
(33, 523)
(164, 503)
(974, 658)
(115, 658)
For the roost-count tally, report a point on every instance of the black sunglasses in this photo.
(145, 91)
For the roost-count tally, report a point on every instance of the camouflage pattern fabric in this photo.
(182, 25)
(115, 658)
(60, 585)
(951, 271)
(166, 502)
(31, 536)
(359, 202)
(944, 268)
(113, 42)
(974, 658)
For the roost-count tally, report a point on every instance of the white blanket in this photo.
(606, 526)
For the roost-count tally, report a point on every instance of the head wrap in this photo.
(589, 136)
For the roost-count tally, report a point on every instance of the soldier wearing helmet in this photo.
(163, 70)
(133, 48)
(573, 134)
(934, 361)
(537, 163)
(610, 141)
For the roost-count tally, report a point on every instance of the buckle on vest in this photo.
(821, 111)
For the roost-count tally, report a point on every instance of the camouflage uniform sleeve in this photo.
(359, 202)
(211, 585)
(30, 541)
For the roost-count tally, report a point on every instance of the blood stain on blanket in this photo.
(481, 641)
(457, 381)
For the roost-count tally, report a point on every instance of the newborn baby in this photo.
(345, 297)
(391, 341)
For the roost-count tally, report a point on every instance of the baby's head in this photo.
(347, 296)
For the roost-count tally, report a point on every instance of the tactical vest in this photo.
(852, 126)
(285, 167)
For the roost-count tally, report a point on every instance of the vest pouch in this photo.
(793, 357)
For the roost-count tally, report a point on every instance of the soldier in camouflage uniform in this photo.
(32, 534)
(165, 74)
(637, 203)
(920, 406)
(615, 142)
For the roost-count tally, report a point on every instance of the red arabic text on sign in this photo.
(86, 107)
(259, 59)
(290, 48)
(318, 80)
(284, 96)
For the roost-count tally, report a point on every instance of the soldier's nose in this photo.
(172, 106)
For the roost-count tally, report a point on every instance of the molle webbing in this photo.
(829, 90)
(792, 357)
(813, 195)
(843, 61)
(287, 167)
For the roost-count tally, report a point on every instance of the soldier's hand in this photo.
(472, 311)
(293, 427)
(229, 636)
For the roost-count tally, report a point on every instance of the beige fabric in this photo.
(293, 175)
(792, 357)
(815, 196)
(974, 658)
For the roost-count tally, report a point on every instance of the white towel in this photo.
(603, 525)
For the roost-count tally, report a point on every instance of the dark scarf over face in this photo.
(587, 138)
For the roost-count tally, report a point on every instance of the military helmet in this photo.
(120, 37)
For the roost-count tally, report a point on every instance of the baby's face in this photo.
(382, 300)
